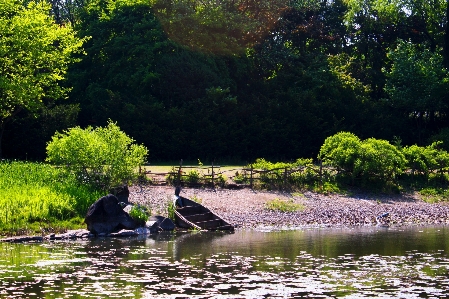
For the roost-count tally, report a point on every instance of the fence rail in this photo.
(213, 175)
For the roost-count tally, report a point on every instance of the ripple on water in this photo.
(161, 269)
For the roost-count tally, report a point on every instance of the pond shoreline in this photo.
(246, 209)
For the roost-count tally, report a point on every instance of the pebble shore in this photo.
(246, 208)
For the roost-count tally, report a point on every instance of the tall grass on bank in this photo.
(37, 196)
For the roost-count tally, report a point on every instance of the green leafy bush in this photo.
(426, 160)
(380, 159)
(193, 177)
(420, 159)
(104, 157)
(278, 174)
(139, 213)
(371, 158)
(171, 211)
(341, 151)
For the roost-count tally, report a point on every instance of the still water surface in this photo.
(316, 263)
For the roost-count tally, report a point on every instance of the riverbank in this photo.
(246, 208)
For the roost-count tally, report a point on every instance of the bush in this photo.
(104, 157)
(367, 159)
(193, 177)
(277, 174)
(139, 213)
(341, 151)
(420, 159)
(426, 160)
(380, 159)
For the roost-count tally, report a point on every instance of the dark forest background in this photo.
(236, 80)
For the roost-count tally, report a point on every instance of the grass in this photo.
(433, 195)
(36, 197)
(283, 205)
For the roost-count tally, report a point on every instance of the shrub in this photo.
(427, 159)
(193, 177)
(104, 157)
(171, 210)
(371, 158)
(420, 159)
(341, 151)
(139, 213)
(381, 159)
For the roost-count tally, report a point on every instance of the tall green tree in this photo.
(418, 87)
(34, 57)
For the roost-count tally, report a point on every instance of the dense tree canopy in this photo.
(34, 58)
(240, 80)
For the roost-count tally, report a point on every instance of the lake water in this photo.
(376, 262)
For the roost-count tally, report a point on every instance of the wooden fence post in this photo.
(251, 178)
(179, 173)
(213, 185)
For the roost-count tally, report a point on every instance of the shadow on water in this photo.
(407, 262)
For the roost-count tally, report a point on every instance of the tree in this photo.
(104, 157)
(66, 11)
(34, 57)
(417, 86)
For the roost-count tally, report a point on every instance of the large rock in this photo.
(106, 216)
(164, 223)
(122, 193)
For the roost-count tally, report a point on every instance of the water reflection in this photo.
(319, 263)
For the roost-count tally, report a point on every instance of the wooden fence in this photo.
(219, 175)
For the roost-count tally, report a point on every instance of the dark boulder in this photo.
(122, 193)
(164, 223)
(106, 216)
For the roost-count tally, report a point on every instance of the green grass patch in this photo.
(283, 205)
(432, 195)
(327, 188)
(37, 197)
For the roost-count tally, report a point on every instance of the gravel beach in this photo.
(246, 209)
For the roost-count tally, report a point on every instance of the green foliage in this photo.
(426, 160)
(193, 177)
(241, 177)
(327, 188)
(282, 174)
(104, 157)
(443, 136)
(221, 180)
(35, 54)
(370, 158)
(380, 159)
(139, 213)
(417, 81)
(171, 211)
(432, 195)
(283, 205)
(39, 193)
(420, 159)
(341, 150)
